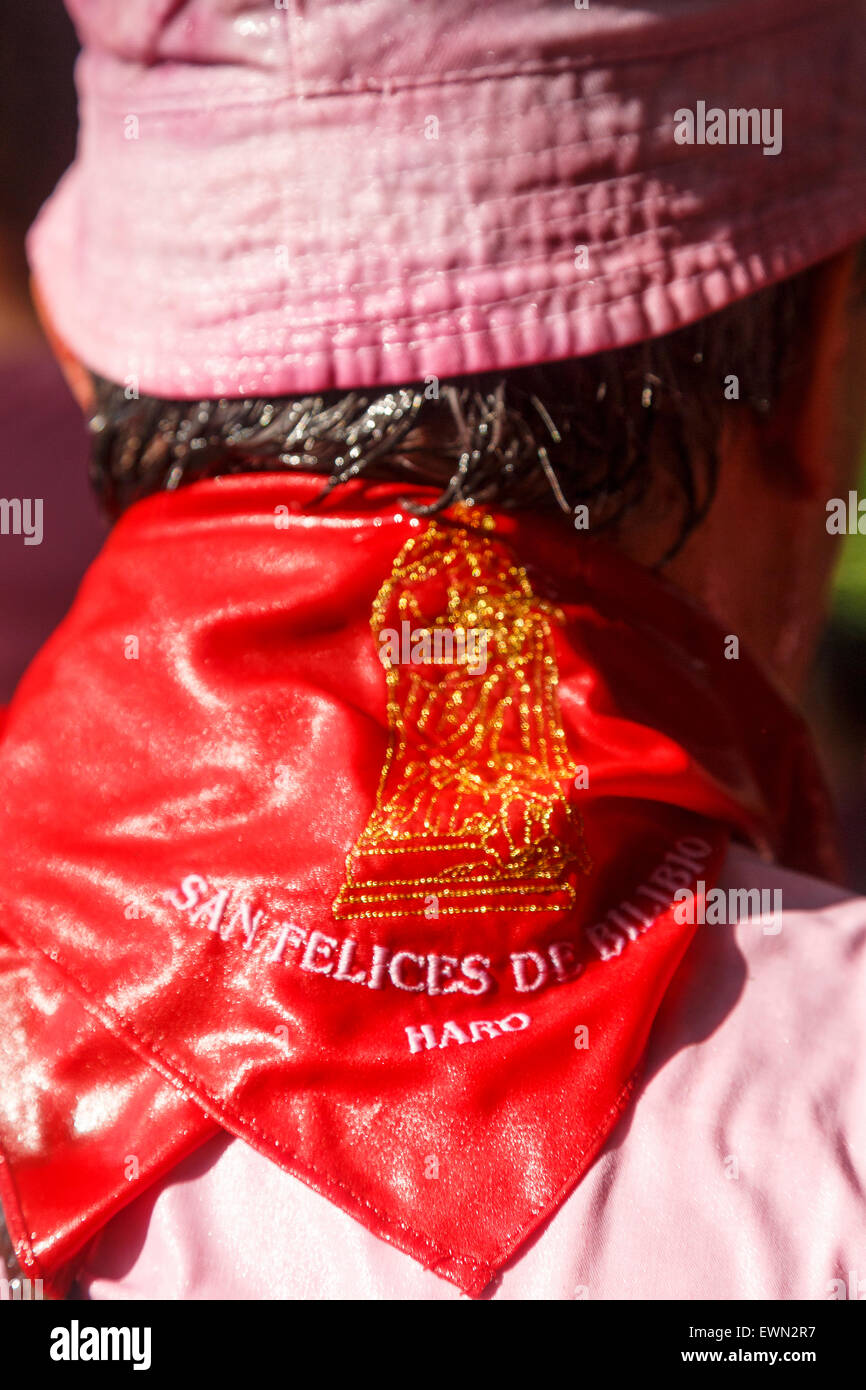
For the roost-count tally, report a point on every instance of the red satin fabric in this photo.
(185, 769)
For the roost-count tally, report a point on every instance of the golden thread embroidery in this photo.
(477, 771)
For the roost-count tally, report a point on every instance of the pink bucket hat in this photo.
(283, 196)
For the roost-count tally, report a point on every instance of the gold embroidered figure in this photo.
(472, 812)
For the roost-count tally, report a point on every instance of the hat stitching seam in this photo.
(270, 360)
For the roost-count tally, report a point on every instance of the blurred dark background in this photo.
(43, 447)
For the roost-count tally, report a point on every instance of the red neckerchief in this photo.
(399, 916)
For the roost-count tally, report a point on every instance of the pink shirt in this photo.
(739, 1172)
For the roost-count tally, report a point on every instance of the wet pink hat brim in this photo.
(373, 193)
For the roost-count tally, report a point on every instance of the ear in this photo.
(800, 442)
(77, 376)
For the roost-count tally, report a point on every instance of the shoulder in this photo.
(757, 1065)
(807, 934)
(744, 867)
(776, 987)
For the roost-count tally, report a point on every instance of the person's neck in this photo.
(760, 562)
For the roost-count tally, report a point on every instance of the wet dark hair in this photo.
(559, 434)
